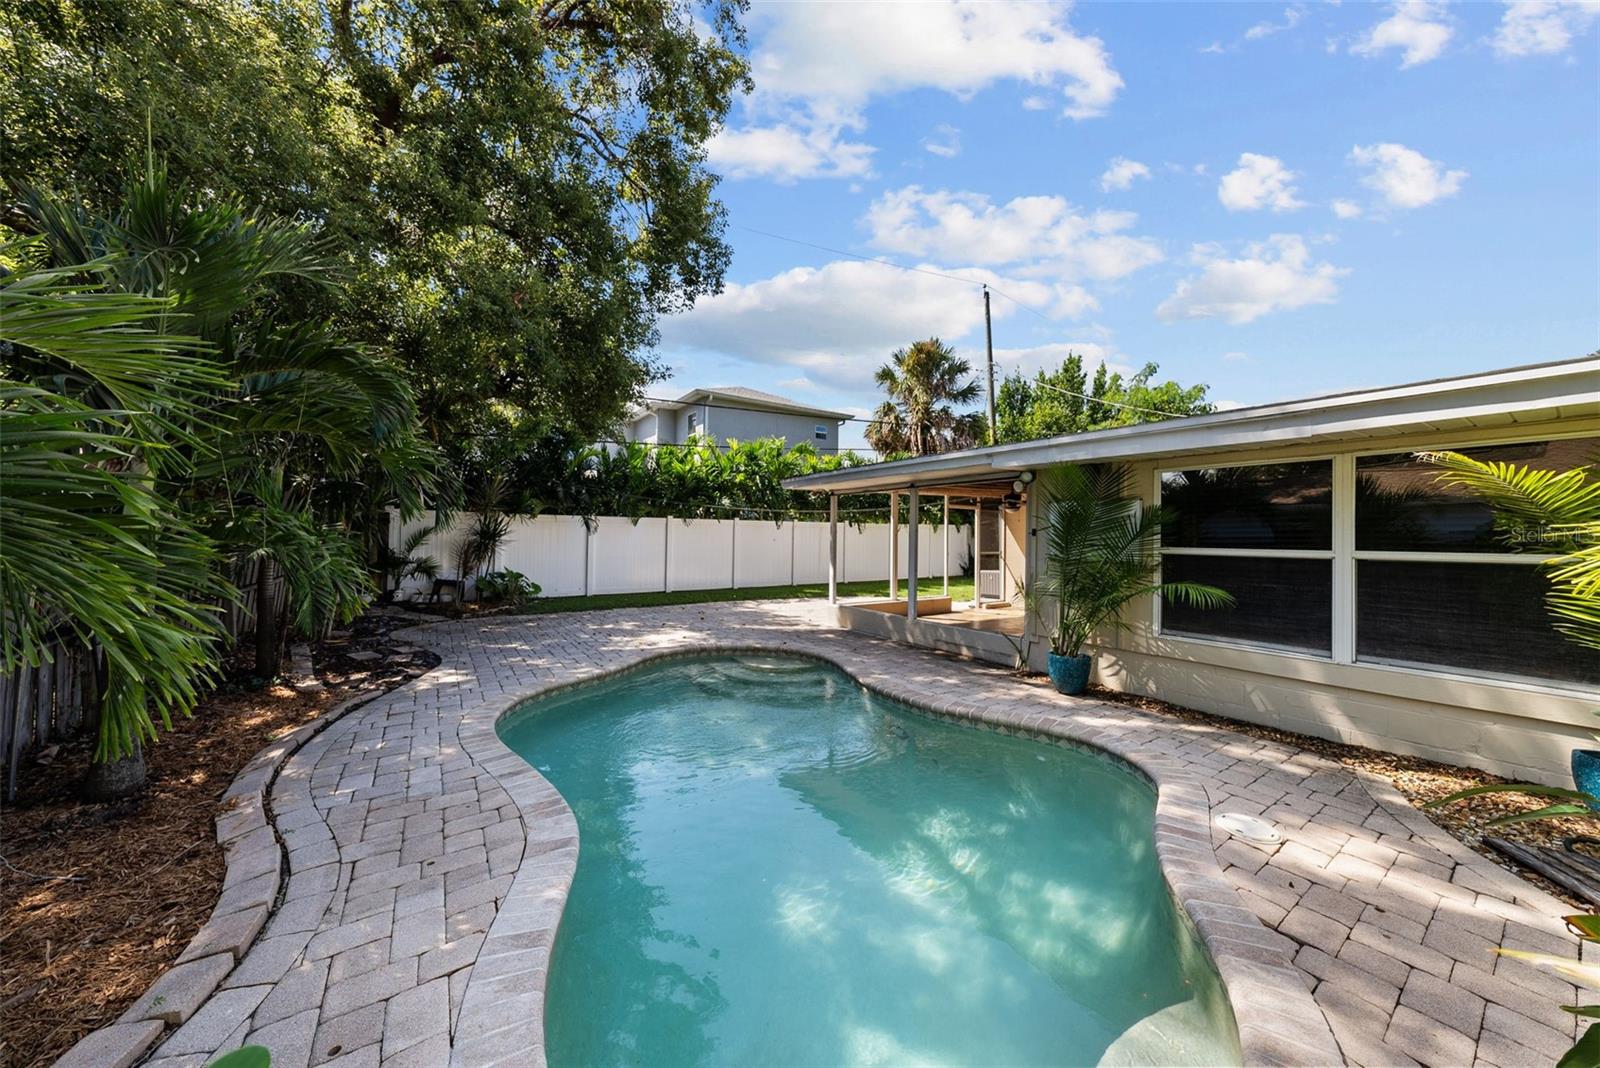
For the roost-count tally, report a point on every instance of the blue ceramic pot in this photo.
(1586, 772)
(1071, 674)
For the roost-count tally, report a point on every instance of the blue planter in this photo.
(1586, 772)
(1071, 674)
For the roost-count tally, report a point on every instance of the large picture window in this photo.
(1262, 532)
(1440, 583)
(1373, 559)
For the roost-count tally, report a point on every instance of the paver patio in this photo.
(421, 855)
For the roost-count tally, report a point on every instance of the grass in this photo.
(960, 589)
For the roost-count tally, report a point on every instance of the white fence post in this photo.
(588, 556)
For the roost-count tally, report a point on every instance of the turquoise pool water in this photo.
(778, 868)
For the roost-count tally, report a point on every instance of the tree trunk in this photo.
(116, 779)
(267, 643)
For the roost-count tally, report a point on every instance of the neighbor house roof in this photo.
(1533, 393)
(744, 397)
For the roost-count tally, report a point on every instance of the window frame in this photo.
(1345, 556)
(820, 432)
(1259, 553)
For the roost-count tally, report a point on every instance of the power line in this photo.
(1109, 403)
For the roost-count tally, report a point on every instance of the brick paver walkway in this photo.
(417, 918)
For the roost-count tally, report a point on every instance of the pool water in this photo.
(777, 867)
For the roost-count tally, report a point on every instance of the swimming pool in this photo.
(778, 867)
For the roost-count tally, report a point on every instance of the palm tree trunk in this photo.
(113, 780)
(267, 643)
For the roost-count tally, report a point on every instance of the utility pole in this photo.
(988, 334)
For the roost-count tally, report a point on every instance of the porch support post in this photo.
(911, 554)
(833, 548)
(977, 552)
(894, 545)
(1000, 536)
(947, 544)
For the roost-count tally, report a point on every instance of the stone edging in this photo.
(502, 1014)
(251, 890)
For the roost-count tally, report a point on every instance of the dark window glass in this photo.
(1401, 506)
(1479, 617)
(1269, 506)
(1279, 602)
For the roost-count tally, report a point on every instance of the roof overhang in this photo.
(1533, 394)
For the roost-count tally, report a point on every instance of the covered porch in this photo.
(994, 624)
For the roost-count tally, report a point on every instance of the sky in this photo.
(1276, 200)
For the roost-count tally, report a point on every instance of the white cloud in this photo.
(1404, 177)
(944, 141)
(1346, 209)
(1273, 275)
(1236, 357)
(787, 151)
(1291, 18)
(1259, 182)
(1419, 28)
(1046, 235)
(1035, 102)
(834, 324)
(848, 53)
(800, 382)
(1121, 172)
(1543, 27)
(816, 67)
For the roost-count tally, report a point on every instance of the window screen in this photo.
(1402, 506)
(1268, 506)
(1280, 601)
(1476, 617)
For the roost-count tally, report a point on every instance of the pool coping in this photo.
(502, 1012)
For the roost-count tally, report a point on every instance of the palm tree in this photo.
(91, 401)
(308, 424)
(165, 423)
(1557, 510)
(924, 381)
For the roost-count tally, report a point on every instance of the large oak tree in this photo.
(518, 189)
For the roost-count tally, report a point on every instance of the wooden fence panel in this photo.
(61, 697)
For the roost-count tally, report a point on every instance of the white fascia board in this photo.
(1522, 400)
(1570, 389)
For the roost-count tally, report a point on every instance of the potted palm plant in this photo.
(1099, 554)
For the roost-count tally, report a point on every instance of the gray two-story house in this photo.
(734, 413)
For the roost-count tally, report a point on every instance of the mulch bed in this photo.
(96, 900)
(1418, 781)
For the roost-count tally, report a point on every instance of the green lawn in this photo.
(960, 589)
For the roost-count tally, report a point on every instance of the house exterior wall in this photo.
(1014, 574)
(1521, 728)
(749, 424)
(647, 428)
(671, 427)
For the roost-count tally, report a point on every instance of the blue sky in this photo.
(1276, 200)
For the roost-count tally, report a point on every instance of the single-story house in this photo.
(1374, 605)
(734, 413)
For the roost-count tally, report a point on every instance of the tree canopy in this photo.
(1066, 401)
(516, 190)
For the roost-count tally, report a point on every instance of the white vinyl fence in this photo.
(620, 555)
